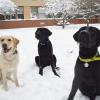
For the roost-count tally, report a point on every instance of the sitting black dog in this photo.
(87, 68)
(45, 51)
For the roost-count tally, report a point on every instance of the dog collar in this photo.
(44, 43)
(15, 52)
(95, 58)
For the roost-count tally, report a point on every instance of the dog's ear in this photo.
(16, 41)
(76, 35)
(37, 33)
(48, 32)
(0, 39)
(97, 31)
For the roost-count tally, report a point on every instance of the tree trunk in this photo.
(16, 14)
(63, 24)
(88, 22)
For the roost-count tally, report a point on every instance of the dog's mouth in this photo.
(6, 50)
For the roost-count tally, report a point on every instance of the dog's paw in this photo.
(65, 98)
(69, 99)
(57, 74)
(58, 71)
(5, 88)
(41, 73)
(57, 68)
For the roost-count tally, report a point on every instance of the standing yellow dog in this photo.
(9, 60)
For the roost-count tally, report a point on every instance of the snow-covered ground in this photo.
(47, 87)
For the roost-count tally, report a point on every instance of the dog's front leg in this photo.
(41, 70)
(40, 66)
(4, 79)
(15, 79)
(74, 88)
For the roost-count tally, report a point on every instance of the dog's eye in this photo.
(9, 40)
(2, 40)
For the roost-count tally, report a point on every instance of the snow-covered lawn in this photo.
(46, 87)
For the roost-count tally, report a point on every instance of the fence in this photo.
(38, 23)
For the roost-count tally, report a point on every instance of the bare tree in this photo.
(87, 9)
(62, 8)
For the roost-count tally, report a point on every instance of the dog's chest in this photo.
(90, 74)
(44, 49)
(8, 62)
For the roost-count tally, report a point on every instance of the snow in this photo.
(7, 6)
(47, 87)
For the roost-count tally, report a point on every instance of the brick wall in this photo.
(83, 21)
(26, 23)
(38, 23)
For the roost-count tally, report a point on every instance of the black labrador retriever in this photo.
(87, 68)
(45, 51)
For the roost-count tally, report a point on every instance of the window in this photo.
(42, 12)
(38, 12)
(34, 12)
(21, 12)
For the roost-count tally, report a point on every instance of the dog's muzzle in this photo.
(5, 48)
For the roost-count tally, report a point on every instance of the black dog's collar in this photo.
(87, 60)
(44, 43)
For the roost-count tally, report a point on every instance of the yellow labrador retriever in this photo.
(9, 60)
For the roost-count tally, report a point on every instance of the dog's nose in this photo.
(4, 45)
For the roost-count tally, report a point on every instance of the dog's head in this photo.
(8, 43)
(42, 34)
(88, 37)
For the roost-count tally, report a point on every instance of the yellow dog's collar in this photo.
(95, 58)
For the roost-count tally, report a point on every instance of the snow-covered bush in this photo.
(7, 7)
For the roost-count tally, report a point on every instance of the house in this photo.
(30, 9)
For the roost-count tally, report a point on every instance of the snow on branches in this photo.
(7, 7)
(59, 6)
(87, 8)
